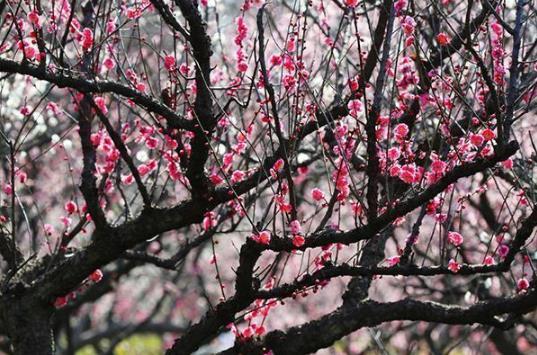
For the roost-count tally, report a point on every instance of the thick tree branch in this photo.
(203, 110)
(323, 332)
(224, 313)
(169, 18)
(96, 87)
(331, 271)
(373, 166)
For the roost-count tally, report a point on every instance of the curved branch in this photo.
(323, 332)
(96, 86)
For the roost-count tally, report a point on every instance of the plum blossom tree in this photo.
(268, 176)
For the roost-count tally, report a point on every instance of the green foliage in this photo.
(135, 345)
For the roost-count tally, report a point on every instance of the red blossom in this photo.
(442, 39)
(317, 194)
(70, 207)
(96, 276)
(262, 238)
(298, 240)
(169, 62)
(488, 134)
(87, 39)
(454, 266)
(522, 284)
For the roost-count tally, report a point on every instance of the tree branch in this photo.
(323, 332)
(95, 87)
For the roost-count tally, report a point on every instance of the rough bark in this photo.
(28, 325)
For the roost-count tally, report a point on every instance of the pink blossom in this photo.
(152, 164)
(101, 104)
(278, 165)
(140, 87)
(242, 66)
(170, 143)
(242, 31)
(127, 179)
(489, 260)
(508, 164)
(25, 110)
(317, 194)
(34, 19)
(401, 129)
(209, 221)
(393, 260)
(169, 62)
(476, 139)
(228, 159)
(262, 238)
(66, 221)
(408, 25)
(134, 13)
(496, 28)
(216, 179)
(175, 172)
(22, 176)
(395, 170)
(87, 39)
(184, 69)
(151, 142)
(291, 44)
(109, 63)
(406, 176)
(70, 207)
(356, 208)
(237, 176)
(440, 217)
(276, 60)
(355, 107)
(394, 153)
(289, 82)
(455, 238)
(497, 54)
(438, 166)
(503, 250)
(288, 64)
(248, 332)
(295, 226)
(53, 107)
(260, 330)
(408, 173)
(143, 169)
(499, 72)
(285, 207)
(454, 266)
(399, 5)
(522, 284)
(110, 26)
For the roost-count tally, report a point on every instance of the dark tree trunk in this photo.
(28, 325)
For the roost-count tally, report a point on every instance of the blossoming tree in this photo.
(287, 175)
